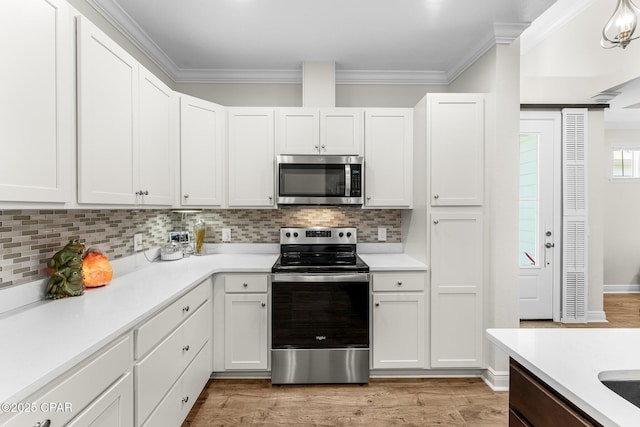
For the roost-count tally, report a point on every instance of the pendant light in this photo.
(620, 28)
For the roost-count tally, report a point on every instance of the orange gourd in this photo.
(96, 270)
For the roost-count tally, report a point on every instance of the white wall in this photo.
(621, 212)
(290, 95)
(569, 66)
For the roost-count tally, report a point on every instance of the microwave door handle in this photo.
(347, 180)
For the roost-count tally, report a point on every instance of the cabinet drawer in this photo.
(176, 405)
(245, 283)
(413, 282)
(150, 334)
(157, 372)
(79, 389)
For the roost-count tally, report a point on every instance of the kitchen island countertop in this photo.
(570, 359)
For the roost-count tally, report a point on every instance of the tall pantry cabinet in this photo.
(455, 133)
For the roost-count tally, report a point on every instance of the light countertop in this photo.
(47, 339)
(392, 262)
(569, 360)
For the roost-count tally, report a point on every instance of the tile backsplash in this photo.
(28, 238)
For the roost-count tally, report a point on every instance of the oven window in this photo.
(320, 315)
(312, 180)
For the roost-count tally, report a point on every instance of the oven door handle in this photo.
(309, 278)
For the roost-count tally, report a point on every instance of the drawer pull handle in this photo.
(377, 304)
(399, 283)
(185, 348)
(245, 284)
(185, 399)
(264, 304)
(45, 423)
(185, 308)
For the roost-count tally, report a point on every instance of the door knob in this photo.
(549, 245)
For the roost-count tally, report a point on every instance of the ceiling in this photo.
(370, 41)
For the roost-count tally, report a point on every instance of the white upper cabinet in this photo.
(455, 136)
(36, 106)
(157, 117)
(251, 157)
(202, 135)
(107, 101)
(388, 158)
(323, 131)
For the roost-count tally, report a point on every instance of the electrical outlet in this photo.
(137, 242)
(382, 233)
(226, 234)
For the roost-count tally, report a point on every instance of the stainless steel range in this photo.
(320, 308)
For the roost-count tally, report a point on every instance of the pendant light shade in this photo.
(620, 28)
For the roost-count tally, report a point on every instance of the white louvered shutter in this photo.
(574, 211)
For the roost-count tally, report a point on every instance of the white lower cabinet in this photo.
(398, 315)
(74, 393)
(114, 408)
(456, 292)
(167, 366)
(241, 323)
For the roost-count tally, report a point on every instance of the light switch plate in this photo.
(226, 234)
(382, 233)
(137, 242)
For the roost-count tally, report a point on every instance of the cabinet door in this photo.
(398, 330)
(36, 106)
(251, 157)
(341, 131)
(456, 141)
(245, 331)
(388, 158)
(201, 152)
(107, 100)
(298, 131)
(456, 286)
(155, 141)
(114, 408)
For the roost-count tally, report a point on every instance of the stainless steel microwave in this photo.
(319, 180)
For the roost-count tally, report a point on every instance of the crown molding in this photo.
(400, 77)
(120, 19)
(507, 32)
(208, 75)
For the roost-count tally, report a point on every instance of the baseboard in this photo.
(621, 289)
(496, 380)
(596, 317)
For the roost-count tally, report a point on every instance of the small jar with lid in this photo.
(199, 230)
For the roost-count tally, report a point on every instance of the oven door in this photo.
(320, 311)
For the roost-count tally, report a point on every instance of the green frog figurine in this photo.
(66, 277)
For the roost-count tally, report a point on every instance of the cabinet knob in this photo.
(377, 304)
(138, 193)
(324, 147)
(436, 196)
(245, 285)
(368, 197)
(45, 423)
(270, 198)
(399, 283)
(146, 192)
(264, 304)
(185, 348)
(185, 399)
(186, 196)
(435, 221)
(185, 308)
(316, 148)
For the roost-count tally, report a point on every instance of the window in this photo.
(529, 200)
(626, 162)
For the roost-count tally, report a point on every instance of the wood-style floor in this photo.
(383, 402)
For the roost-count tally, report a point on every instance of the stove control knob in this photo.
(295, 234)
(341, 234)
(349, 234)
(288, 234)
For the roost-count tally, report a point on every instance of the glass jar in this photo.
(199, 230)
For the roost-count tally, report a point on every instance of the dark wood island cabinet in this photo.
(534, 403)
